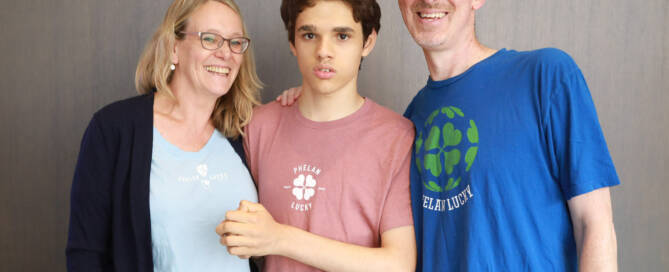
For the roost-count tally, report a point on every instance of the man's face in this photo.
(329, 46)
(439, 24)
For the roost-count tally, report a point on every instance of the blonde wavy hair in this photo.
(233, 110)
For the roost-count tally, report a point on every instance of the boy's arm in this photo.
(251, 231)
(593, 231)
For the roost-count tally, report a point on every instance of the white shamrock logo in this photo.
(304, 187)
(202, 170)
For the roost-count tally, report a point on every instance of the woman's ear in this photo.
(174, 56)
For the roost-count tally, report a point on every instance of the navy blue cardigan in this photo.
(110, 225)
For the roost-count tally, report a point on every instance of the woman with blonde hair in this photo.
(156, 173)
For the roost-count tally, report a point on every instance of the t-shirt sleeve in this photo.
(408, 112)
(251, 148)
(397, 207)
(580, 156)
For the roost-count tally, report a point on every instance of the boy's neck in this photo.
(323, 107)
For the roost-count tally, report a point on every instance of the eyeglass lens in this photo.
(213, 41)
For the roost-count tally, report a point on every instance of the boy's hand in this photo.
(288, 97)
(250, 231)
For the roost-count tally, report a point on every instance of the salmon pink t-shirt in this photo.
(347, 180)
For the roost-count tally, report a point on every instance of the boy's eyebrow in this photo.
(307, 28)
(343, 29)
(338, 29)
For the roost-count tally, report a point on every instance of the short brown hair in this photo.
(366, 12)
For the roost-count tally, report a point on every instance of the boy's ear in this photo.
(369, 44)
(292, 49)
(477, 4)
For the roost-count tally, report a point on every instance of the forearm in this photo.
(597, 248)
(251, 231)
(594, 233)
(331, 255)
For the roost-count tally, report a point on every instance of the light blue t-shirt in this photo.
(499, 151)
(190, 193)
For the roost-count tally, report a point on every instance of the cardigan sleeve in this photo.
(88, 244)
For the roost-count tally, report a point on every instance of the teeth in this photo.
(325, 70)
(218, 70)
(437, 15)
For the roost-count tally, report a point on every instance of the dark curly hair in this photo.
(366, 12)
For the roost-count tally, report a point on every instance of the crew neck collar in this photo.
(367, 104)
(441, 83)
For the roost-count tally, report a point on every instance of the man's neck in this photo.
(447, 63)
(332, 106)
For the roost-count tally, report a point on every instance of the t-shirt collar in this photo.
(442, 83)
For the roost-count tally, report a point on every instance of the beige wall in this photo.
(62, 60)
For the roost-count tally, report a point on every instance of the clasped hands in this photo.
(250, 231)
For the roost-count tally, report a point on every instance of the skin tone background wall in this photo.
(63, 60)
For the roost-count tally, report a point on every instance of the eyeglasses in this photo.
(213, 41)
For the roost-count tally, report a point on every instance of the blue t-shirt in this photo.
(190, 192)
(499, 150)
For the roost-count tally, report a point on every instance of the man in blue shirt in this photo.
(510, 167)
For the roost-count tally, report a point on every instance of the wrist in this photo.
(284, 234)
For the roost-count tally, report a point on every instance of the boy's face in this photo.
(329, 46)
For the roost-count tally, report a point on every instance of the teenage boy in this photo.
(333, 170)
(510, 170)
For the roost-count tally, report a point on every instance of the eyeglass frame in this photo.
(223, 40)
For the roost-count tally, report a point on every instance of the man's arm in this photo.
(594, 233)
(251, 231)
(290, 96)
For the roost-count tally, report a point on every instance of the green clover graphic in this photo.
(443, 148)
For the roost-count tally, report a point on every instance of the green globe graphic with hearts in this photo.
(447, 146)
